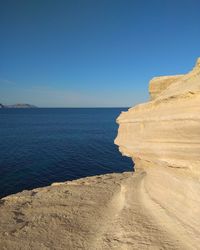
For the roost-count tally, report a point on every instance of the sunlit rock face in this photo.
(162, 137)
(165, 130)
(158, 84)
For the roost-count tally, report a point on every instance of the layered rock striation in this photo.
(158, 84)
(162, 137)
(166, 130)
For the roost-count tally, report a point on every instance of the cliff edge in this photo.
(165, 131)
(162, 137)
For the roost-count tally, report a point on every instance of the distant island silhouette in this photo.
(18, 105)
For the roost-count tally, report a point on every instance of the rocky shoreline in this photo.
(155, 207)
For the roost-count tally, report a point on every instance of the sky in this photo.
(93, 53)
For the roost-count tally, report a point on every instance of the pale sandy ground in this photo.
(113, 211)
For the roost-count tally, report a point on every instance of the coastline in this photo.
(111, 211)
(155, 207)
(130, 210)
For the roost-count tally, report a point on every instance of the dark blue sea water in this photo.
(41, 146)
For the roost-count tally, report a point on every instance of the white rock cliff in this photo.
(162, 137)
(165, 130)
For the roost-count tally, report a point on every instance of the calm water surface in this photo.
(41, 146)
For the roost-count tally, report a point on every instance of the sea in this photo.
(44, 145)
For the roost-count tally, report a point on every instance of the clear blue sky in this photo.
(82, 53)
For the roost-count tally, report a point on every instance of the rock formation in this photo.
(101, 212)
(159, 84)
(162, 137)
(165, 130)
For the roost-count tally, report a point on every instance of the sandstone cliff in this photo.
(162, 137)
(165, 130)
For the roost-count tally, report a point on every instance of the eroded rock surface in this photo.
(162, 136)
(158, 84)
(102, 212)
(166, 130)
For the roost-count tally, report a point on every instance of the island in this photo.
(18, 105)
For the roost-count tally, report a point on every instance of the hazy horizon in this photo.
(68, 107)
(93, 53)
